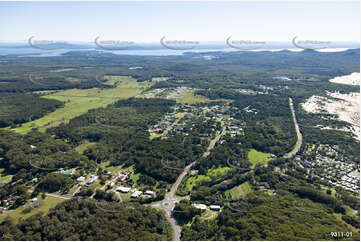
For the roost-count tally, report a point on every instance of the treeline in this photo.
(229, 70)
(89, 220)
(320, 197)
(21, 108)
(24, 156)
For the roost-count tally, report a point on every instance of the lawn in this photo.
(73, 189)
(79, 101)
(95, 186)
(46, 204)
(4, 178)
(214, 172)
(239, 191)
(256, 157)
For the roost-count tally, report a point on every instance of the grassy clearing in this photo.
(62, 70)
(256, 157)
(157, 79)
(155, 136)
(239, 191)
(4, 178)
(79, 101)
(135, 178)
(81, 148)
(209, 215)
(190, 98)
(94, 186)
(214, 172)
(73, 189)
(113, 169)
(46, 204)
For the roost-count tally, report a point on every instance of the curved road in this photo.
(169, 201)
(299, 135)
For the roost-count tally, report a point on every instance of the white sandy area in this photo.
(347, 108)
(352, 79)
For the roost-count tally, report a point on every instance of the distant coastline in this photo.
(21, 49)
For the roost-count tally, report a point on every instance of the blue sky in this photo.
(199, 21)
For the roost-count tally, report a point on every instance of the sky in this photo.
(193, 21)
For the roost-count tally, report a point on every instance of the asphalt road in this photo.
(169, 201)
(299, 135)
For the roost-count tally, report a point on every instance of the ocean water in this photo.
(23, 50)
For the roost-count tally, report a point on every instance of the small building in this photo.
(81, 179)
(215, 207)
(149, 193)
(193, 172)
(122, 177)
(92, 180)
(136, 194)
(123, 189)
(200, 206)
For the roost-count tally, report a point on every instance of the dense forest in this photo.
(262, 217)
(85, 220)
(21, 108)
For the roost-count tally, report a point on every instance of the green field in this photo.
(256, 157)
(107, 167)
(158, 79)
(190, 98)
(238, 191)
(4, 178)
(78, 101)
(214, 172)
(46, 204)
(81, 148)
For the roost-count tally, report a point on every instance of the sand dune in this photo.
(352, 79)
(347, 108)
